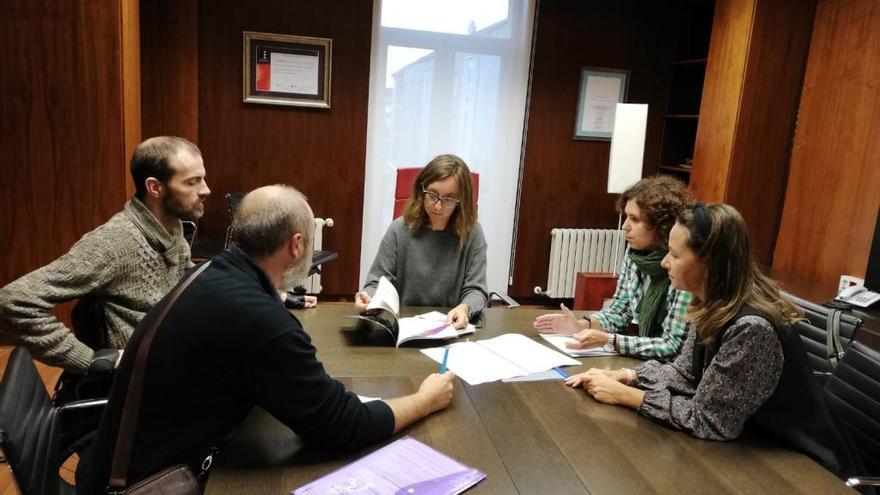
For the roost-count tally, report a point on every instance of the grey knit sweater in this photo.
(432, 268)
(128, 263)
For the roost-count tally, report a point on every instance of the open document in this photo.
(384, 310)
(558, 341)
(505, 356)
(402, 467)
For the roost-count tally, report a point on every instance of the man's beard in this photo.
(174, 207)
(295, 275)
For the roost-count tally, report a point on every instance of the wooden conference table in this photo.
(528, 437)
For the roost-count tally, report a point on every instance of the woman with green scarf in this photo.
(644, 296)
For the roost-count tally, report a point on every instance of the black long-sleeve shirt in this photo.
(227, 345)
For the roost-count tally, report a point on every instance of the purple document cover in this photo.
(403, 467)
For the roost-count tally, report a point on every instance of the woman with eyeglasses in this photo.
(435, 254)
(643, 297)
(741, 359)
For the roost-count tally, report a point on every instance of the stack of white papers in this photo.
(559, 340)
(505, 356)
(555, 374)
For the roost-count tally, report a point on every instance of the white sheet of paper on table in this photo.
(501, 357)
(558, 341)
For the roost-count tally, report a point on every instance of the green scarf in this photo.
(651, 310)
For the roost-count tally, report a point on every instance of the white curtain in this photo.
(448, 76)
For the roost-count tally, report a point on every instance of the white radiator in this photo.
(580, 250)
(313, 282)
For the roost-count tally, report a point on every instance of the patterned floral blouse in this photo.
(741, 377)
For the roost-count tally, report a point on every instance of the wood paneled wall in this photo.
(170, 68)
(833, 188)
(564, 180)
(130, 42)
(722, 90)
(62, 121)
(321, 152)
(757, 59)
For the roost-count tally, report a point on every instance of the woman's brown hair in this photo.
(660, 198)
(717, 234)
(442, 167)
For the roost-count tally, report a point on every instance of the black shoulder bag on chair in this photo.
(175, 480)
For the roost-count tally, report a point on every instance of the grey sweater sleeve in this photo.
(473, 290)
(26, 304)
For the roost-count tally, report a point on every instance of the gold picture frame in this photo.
(281, 69)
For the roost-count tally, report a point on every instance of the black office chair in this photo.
(825, 346)
(190, 231)
(90, 328)
(30, 428)
(854, 394)
(498, 299)
(233, 199)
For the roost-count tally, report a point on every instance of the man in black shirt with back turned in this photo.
(228, 344)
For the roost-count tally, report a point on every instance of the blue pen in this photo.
(561, 372)
(445, 357)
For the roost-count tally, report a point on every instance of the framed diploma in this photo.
(600, 92)
(281, 69)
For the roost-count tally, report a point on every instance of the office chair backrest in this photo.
(89, 323)
(405, 179)
(190, 231)
(90, 328)
(815, 336)
(233, 199)
(854, 393)
(29, 428)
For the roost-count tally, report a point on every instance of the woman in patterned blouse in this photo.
(732, 335)
(643, 295)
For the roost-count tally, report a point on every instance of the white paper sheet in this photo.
(502, 357)
(558, 341)
(537, 377)
(385, 297)
(291, 73)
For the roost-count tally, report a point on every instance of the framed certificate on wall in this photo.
(599, 93)
(282, 69)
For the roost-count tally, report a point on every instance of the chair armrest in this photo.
(320, 257)
(863, 481)
(82, 404)
(509, 301)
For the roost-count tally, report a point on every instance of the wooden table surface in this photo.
(528, 437)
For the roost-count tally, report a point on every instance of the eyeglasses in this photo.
(447, 202)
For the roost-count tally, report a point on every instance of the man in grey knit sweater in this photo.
(127, 264)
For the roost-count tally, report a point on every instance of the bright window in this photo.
(448, 77)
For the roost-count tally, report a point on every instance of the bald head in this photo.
(269, 216)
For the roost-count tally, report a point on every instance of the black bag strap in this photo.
(131, 408)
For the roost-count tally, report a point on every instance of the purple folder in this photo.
(403, 467)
